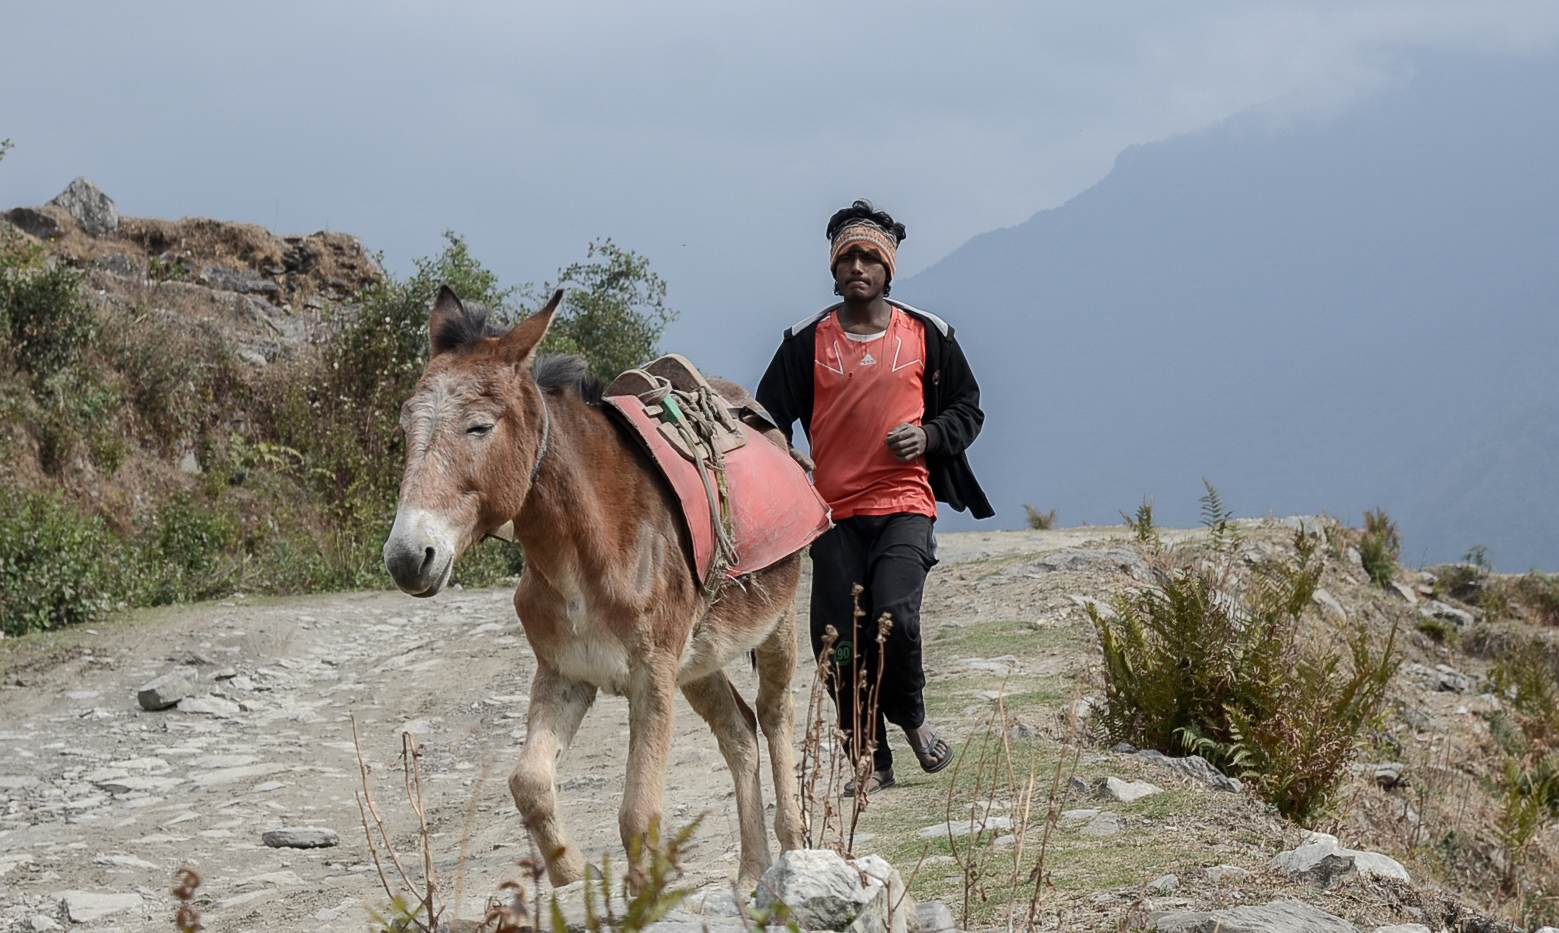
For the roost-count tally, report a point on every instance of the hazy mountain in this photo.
(1339, 315)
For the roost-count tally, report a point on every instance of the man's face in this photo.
(860, 275)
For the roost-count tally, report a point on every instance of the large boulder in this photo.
(1322, 862)
(40, 222)
(1276, 917)
(93, 209)
(825, 892)
(1194, 766)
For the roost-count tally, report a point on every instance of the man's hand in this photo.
(907, 441)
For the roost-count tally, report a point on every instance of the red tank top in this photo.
(863, 389)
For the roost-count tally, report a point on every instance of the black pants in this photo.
(889, 555)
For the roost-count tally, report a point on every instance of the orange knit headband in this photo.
(870, 237)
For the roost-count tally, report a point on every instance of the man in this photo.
(889, 405)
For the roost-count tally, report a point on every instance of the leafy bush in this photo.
(1040, 521)
(614, 311)
(56, 564)
(1380, 546)
(1193, 665)
(1539, 592)
(47, 320)
(1142, 526)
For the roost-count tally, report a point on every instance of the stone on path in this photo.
(824, 892)
(87, 906)
(210, 706)
(1411, 928)
(1278, 917)
(1321, 861)
(1105, 824)
(1194, 766)
(1167, 884)
(38, 923)
(956, 828)
(1217, 874)
(310, 837)
(1113, 788)
(165, 691)
(935, 917)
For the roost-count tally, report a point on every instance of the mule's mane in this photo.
(464, 330)
(567, 371)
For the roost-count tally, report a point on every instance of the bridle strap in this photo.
(546, 439)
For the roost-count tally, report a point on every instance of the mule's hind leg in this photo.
(557, 704)
(777, 714)
(716, 700)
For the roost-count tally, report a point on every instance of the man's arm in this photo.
(958, 424)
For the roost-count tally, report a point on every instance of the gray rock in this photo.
(1278, 917)
(1123, 748)
(1546, 930)
(1329, 603)
(824, 892)
(1105, 824)
(165, 691)
(118, 264)
(246, 281)
(1113, 788)
(1166, 884)
(1435, 609)
(935, 917)
(1322, 862)
(1194, 766)
(1406, 592)
(901, 908)
(1388, 775)
(1410, 928)
(303, 837)
(39, 923)
(956, 828)
(1311, 525)
(34, 222)
(1117, 560)
(1082, 814)
(87, 906)
(715, 900)
(1218, 874)
(1450, 680)
(1354, 557)
(1078, 785)
(93, 209)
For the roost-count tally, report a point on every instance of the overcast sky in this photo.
(715, 138)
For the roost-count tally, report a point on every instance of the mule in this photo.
(608, 598)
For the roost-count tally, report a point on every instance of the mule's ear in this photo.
(519, 344)
(445, 323)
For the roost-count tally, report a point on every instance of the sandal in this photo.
(876, 781)
(929, 747)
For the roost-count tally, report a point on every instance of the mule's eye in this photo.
(480, 430)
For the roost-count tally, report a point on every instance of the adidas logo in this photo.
(867, 360)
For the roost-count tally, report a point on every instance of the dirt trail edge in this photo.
(103, 801)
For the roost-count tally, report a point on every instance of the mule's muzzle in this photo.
(419, 554)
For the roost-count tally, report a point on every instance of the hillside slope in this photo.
(1343, 313)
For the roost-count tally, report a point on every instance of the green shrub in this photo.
(1193, 666)
(47, 320)
(1040, 521)
(1142, 526)
(614, 312)
(1539, 592)
(1217, 518)
(1380, 546)
(57, 566)
(188, 545)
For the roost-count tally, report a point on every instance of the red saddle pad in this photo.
(774, 510)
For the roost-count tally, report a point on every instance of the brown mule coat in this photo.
(607, 598)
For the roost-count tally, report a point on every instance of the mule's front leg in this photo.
(557, 704)
(651, 698)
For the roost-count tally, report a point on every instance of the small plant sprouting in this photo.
(1142, 526)
(1040, 521)
(1379, 546)
(1217, 518)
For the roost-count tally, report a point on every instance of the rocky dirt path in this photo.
(103, 801)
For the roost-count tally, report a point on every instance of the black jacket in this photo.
(953, 416)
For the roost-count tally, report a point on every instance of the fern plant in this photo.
(1380, 546)
(1194, 666)
(1217, 518)
(1142, 526)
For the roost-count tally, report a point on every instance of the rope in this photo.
(700, 416)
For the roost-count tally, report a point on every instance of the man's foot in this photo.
(929, 747)
(876, 781)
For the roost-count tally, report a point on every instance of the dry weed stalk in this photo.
(186, 883)
(424, 916)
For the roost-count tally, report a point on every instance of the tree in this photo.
(614, 310)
